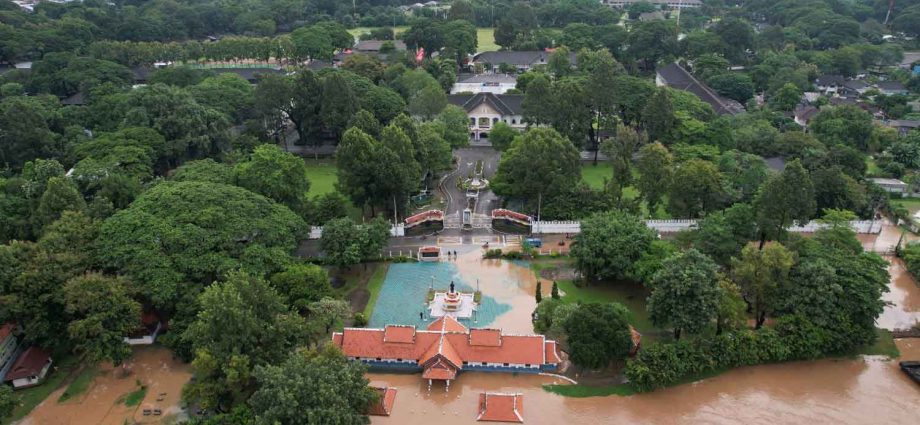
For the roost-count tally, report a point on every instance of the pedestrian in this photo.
(421, 316)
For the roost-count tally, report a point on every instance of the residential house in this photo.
(903, 126)
(9, 347)
(671, 4)
(30, 368)
(484, 110)
(484, 83)
(501, 407)
(803, 114)
(854, 88)
(445, 348)
(522, 61)
(830, 83)
(891, 185)
(676, 77)
(890, 88)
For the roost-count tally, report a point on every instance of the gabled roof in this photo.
(500, 407)
(486, 337)
(29, 363)
(447, 324)
(856, 84)
(830, 80)
(518, 57)
(505, 104)
(384, 405)
(891, 86)
(675, 76)
(375, 45)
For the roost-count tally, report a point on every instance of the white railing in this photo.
(399, 230)
(673, 226)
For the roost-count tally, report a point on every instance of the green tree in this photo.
(696, 188)
(658, 116)
(761, 274)
(655, 170)
(366, 122)
(312, 387)
(784, 199)
(102, 314)
(60, 195)
(181, 232)
(685, 293)
(428, 102)
(538, 292)
(243, 323)
(598, 334)
(786, 97)
(555, 291)
(302, 284)
(620, 151)
(610, 244)
(650, 42)
(536, 101)
(539, 162)
(8, 401)
(205, 170)
(227, 93)
(848, 125)
(338, 105)
(501, 136)
(731, 312)
(326, 207)
(456, 126)
(26, 122)
(277, 175)
(344, 243)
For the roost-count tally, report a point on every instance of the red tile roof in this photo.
(498, 407)
(29, 363)
(446, 345)
(398, 333)
(6, 330)
(384, 405)
(440, 370)
(447, 324)
(487, 337)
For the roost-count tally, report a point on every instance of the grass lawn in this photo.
(80, 384)
(373, 286)
(872, 169)
(912, 204)
(135, 397)
(323, 176)
(884, 346)
(31, 397)
(594, 176)
(486, 36)
(631, 295)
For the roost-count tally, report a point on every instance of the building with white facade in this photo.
(671, 4)
(486, 109)
(484, 83)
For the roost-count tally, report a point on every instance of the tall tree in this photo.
(312, 387)
(539, 163)
(610, 244)
(696, 188)
(339, 104)
(537, 99)
(685, 293)
(102, 314)
(658, 116)
(761, 274)
(784, 199)
(277, 175)
(598, 334)
(620, 150)
(655, 170)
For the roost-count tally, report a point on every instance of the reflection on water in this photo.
(852, 391)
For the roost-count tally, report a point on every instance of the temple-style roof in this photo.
(499, 407)
(384, 405)
(486, 337)
(397, 333)
(447, 324)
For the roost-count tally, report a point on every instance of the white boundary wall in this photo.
(673, 226)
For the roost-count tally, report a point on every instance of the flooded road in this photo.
(508, 282)
(840, 391)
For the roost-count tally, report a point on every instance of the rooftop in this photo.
(501, 407)
(384, 405)
(518, 57)
(375, 45)
(29, 363)
(675, 76)
(486, 78)
(506, 104)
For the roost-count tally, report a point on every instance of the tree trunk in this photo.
(718, 326)
(761, 317)
(677, 334)
(763, 240)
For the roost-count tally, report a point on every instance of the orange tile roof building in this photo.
(499, 407)
(446, 347)
(384, 405)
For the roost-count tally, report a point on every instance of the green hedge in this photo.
(663, 364)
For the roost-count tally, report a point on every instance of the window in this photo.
(494, 120)
(513, 121)
(472, 121)
(399, 360)
(506, 364)
(527, 365)
(379, 359)
(466, 363)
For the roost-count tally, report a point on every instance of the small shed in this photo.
(891, 185)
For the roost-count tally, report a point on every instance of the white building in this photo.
(486, 109)
(671, 4)
(484, 83)
(30, 368)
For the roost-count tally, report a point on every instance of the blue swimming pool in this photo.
(404, 291)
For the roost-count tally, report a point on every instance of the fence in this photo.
(673, 226)
(399, 230)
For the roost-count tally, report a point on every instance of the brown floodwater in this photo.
(102, 403)
(508, 283)
(903, 297)
(865, 390)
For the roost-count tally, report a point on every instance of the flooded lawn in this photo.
(840, 391)
(106, 401)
